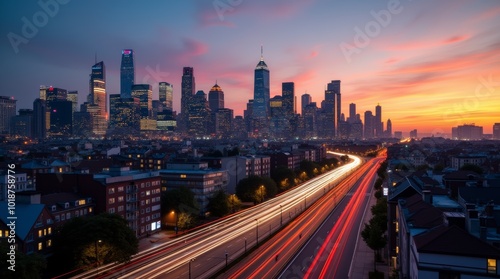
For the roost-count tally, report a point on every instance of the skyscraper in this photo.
(215, 98)
(198, 114)
(97, 87)
(369, 125)
(496, 131)
(261, 97)
(331, 110)
(378, 125)
(39, 119)
(188, 86)
(305, 100)
(352, 112)
(165, 94)
(127, 73)
(288, 95)
(389, 129)
(144, 93)
(7, 111)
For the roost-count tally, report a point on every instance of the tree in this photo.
(180, 199)
(96, 240)
(218, 204)
(309, 167)
(185, 220)
(374, 238)
(234, 203)
(256, 189)
(283, 177)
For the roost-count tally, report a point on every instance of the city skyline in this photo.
(383, 53)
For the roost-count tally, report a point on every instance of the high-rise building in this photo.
(378, 125)
(144, 93)
(288, 95)
(352, 112)
(199, 114)
(43, 92)
(247, 115)
(125, 115)
(215, 98)
(467, 132)
(261, 95)
(414, 134)
(305, 100)
(165, 94)
(61, 119)
(223, 122)
(39, 119)
(496, 131)
(56, 94)
(22, 124)
(127, 73)
(331, 110)
(7, 111)
(97, 87)
(310, 115)
(369, 125)
(388, 132)
(278, 117)
(73, 97)
(188, 87)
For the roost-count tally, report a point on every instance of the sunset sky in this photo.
(431, 65)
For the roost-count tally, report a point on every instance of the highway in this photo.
(333, 257)
(205, 251)
(278, 256)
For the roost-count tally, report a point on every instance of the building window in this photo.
(40, 233)
(111, 210)
(120, 199)
(120, 189)
(148, 193)
(40, 246)
(111, 200)
(183, 176)
(492, 266)
(49, 242)
(120, 208)
(111, 190)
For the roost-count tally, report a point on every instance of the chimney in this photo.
(427, 196)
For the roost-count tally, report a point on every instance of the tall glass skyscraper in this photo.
(97, 88)
(165, 94)
(331, 109)
(261, 98)
(216, 98)
(187, 91)
(127, 73)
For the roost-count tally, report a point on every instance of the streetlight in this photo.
(176, 220)
(257, 231)
(281, 215)
(261, 190)
(97, 255)
(190, 261)
(226, 258)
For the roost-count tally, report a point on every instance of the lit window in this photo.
(492, 266)
(40, 246)
(49, 242)
(183, 176)
(1, 233)
(50, 230)
(40, 233)
(90, 209)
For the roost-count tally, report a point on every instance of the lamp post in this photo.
(281, 215)
(261, 191)
(257, 231)
(190, 261)
(176, 220)
(97, 255)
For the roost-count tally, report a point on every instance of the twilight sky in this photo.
(430, 64)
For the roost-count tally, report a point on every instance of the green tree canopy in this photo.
(218, 204)
(283, 177)
(96, 240)
(256, 189)
(373, 236)
(180, 199)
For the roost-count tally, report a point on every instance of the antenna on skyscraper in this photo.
(261, 53)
